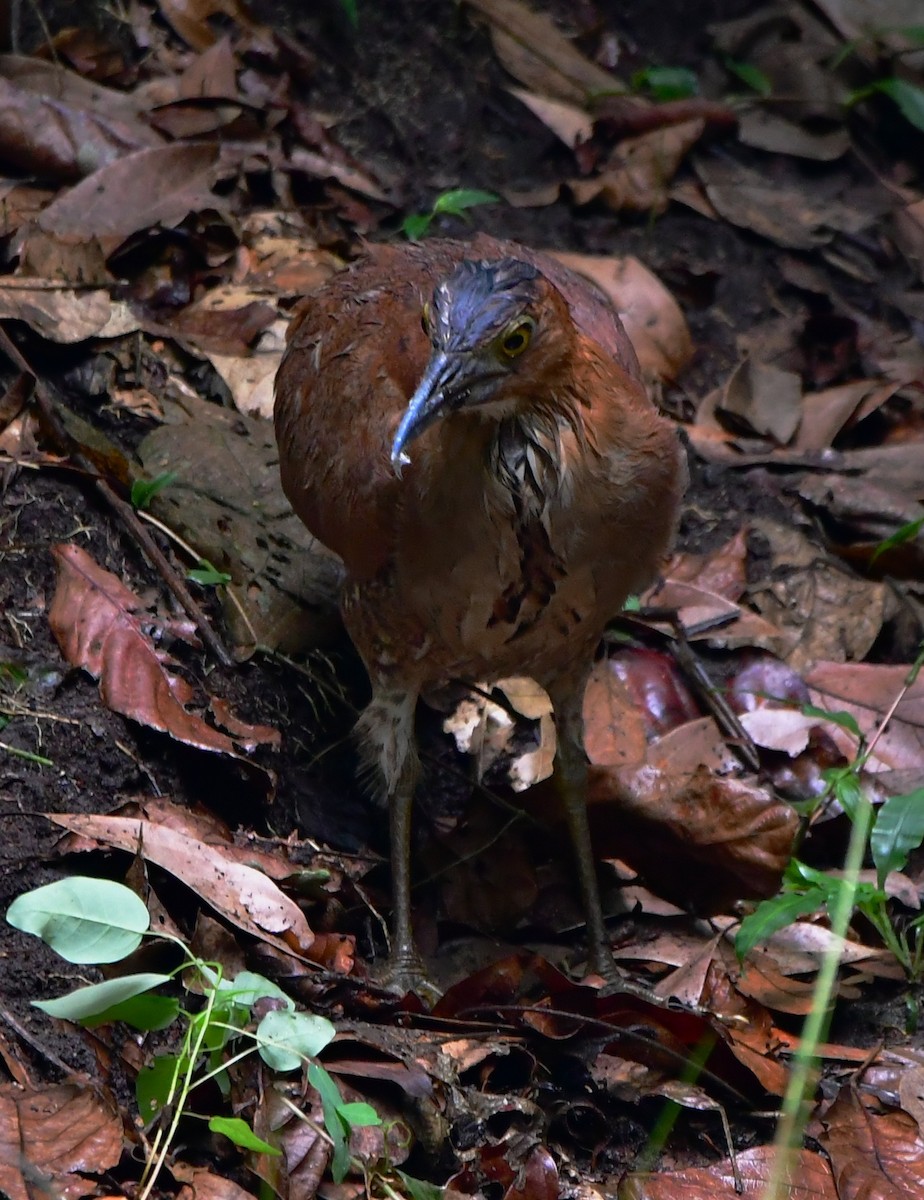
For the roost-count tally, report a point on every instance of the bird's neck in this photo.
(526, 455)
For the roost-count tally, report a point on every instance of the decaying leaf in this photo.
(96, 620)
(738, 832)
(58, 1134)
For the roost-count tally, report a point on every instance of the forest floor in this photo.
(745, 182)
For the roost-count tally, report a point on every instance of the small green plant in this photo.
(666, 83)
(907, 533)
(908, 97)
(749, 75)
(144, 490)
(99, 921)
(208, 576)
(896, 829)
(455, 203)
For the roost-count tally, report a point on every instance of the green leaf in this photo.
(846, 787)
(153, 1084)
(914, 34)
(749, 75)
(147, 1013)
(419, 1189)
(666, 83)
(907, 533)
(208, 576)
(455, 202)
(98, 997)
(351, 12)
(776, 914)
(844, 719)
(908, 96)
(359, 1114)
(241, 1134)
(144, 490)
(84, 920)
(286, 1039)
(247, 987)
(331, 1102)
(898, 830)
(416, 225)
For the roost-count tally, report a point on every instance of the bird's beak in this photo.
(435, 393)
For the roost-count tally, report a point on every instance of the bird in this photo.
(465, 424)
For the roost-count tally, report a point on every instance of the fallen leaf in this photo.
(867, 692)
(64, 1131)
(241, 893)
(872, 1152)
(150, 187)
(570, 124)
(534, 51)
(807, 1177)
(96, 621)
(638, 174)
(653, 319)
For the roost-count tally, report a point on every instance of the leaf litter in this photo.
(188, 197)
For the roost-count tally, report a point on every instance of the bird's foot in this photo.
(405, 972)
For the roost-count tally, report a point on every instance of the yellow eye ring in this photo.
(515, 340)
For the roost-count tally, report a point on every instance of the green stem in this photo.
(793, 1115)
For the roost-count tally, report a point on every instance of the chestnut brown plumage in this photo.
(465, 425)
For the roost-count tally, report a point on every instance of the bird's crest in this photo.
(478, 299)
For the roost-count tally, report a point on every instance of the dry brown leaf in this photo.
(874, 1154)
(808, 1177)
(825, 414)
(150, 187)
(790, 215)
(190, 18)
(653, 319)
(638, 176)
(708, 616)
(94, 617)
(55, 125)
(570, 124)
(241, 893)
(688, 747)
(61, 1132)
(723, 571)
(483, 728)
(771, 132)
(535, 52)
(740, 836)
(64, 315)
(867, 691)
(201, 1184)
(250, 378)
(763, 399)
(824, 612)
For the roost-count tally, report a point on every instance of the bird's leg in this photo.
(387, 727)
(571, 780)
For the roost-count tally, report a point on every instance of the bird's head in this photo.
(495, 332)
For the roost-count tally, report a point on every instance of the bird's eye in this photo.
(425, 318)
(516, 340)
